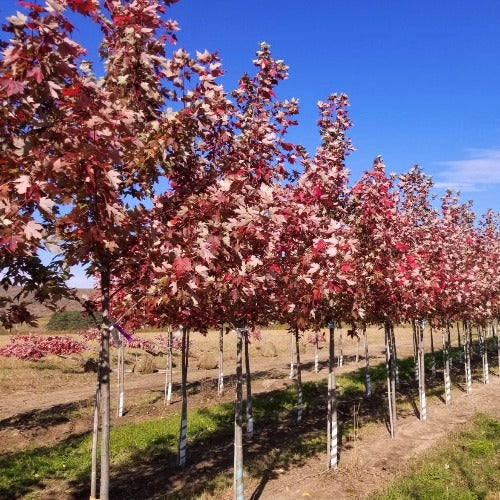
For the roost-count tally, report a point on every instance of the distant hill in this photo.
(40, 311)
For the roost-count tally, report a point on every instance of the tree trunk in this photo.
(368, 380)
(316, 356)
(421, 369)
(498, 348)
(238, 485)
(458, 335)
(220, 385)
(357, 348)
(121, 378)
(249, 388)
(446, 371)
(467, 354)
(433, 354)
(168, 371)
(391, 382)
(104, 373)
(415, 349)
(341, 351)
(332, 430)
(291, 354)
(395, 364)
(299, 376)
(484, 355)
(450, 355)
(95, 441)
(181, 451)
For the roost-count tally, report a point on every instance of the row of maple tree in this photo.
(195, 212)
(190, 205)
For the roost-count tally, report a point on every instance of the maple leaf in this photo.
(11, 87)
(32, 230)
(18, 20)
(23, 183)
(84, 7)
(181, 265)
(319, 247)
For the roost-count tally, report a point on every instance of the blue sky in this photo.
(423, 77)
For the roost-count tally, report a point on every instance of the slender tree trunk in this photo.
(299, 376)
(238, 485)
(220, 385)
(168, 371)
(104, 372)
(467, 353)
(316, 356)
(291, 354)
(458, 335)
(390, 387)
(357, 348)
(121, 379)
(395, 359)
(484, 355)
(95, 442)
(433, 354)
(368, 380)
(249, 389)
(421, 368)
(450, 355)
(341, 350)
(181, 450)
(498, 348)
(332, 425)
(415, 349)
(446, 371)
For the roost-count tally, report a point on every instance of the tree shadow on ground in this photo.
(57, 414)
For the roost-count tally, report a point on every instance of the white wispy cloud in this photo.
(480, 171)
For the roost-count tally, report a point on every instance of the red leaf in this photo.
(11, 86)
(84, 7)
(320, 246)
(36, 73)
(71, 91)
(181, 266)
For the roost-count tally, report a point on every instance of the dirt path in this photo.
(374, 459)
(269, 374)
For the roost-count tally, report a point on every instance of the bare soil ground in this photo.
(47, 402)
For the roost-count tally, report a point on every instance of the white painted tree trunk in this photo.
(421, 368)
(467, 354)
(95, 443)
(415, 350)
(121, 379)
(169, 371)
(391, 383)
(220, 385)
(238, 485)
(248, 387)
(182, 446)
(292, 343)
(332, 424)
(446, 372)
